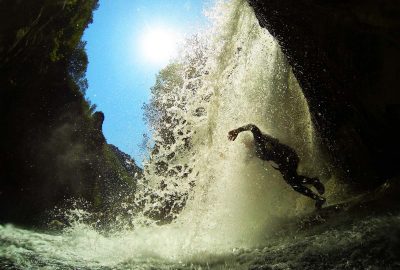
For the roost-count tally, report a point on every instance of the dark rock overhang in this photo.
(345, 55)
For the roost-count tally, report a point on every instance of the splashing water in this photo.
(245, 79)
(231, 197)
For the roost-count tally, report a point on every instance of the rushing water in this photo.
(367, 244)
(234, 201)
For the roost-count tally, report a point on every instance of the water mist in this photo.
(245, 79)
(231, 197)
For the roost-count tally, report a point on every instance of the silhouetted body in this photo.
(270, 149)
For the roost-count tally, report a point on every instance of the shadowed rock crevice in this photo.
(345, 55)
(51, 143)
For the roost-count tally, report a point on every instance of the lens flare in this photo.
(159, 45)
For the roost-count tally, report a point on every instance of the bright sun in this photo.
(159, 45)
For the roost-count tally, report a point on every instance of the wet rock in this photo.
(52, 147)
(345, 55)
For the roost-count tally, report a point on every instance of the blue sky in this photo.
(119, 73)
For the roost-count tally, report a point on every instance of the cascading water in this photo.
(245, 79)
(227, 199)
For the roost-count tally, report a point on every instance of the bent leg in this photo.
(291, 169)
(307, 180)
(295, 181)
(313, 181)
(305, 191)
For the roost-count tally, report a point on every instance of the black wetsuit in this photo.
(270, 149)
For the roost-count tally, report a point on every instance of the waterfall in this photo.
(245, 78)
(225, 197)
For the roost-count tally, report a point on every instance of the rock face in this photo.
(119, 173)
(127, 162)
(346, 55)
(51, 143)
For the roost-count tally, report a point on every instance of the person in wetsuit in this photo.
(270, 149)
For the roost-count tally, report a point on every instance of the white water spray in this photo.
(232, 197)
(236, 196)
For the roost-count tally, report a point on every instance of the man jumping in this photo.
(269, 148)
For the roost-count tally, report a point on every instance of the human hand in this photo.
(232, 135)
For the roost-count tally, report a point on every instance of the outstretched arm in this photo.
(250, 127)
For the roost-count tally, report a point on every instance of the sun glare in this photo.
(159, 45)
